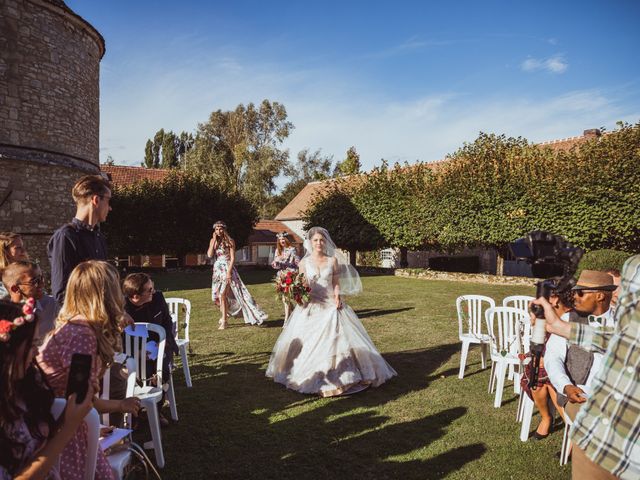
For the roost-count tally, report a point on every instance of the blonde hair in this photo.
(93, 292)
(279, 247)
(6, 240)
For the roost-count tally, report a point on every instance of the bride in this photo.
(324, 348)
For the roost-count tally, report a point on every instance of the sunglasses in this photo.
(34, 282)
(581, 293)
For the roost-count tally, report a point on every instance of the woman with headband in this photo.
(227, 289)
(286, 259)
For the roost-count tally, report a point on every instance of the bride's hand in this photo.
(338, 302)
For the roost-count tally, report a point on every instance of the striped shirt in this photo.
(607, 428)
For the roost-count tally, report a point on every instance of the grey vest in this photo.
(578, 361)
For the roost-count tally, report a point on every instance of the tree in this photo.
(169, 150)
(148, 155)
(240, 149)
(178, 213)
(158, 138)
(350, 165)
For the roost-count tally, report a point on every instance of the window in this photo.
(244, 254)
(266, 251)
(387, 254)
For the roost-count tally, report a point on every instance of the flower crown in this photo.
(7, 326)
(282, 235)
(220, 223)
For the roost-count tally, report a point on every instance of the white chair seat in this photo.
(117, 462)
(473, 338)
(148, 393)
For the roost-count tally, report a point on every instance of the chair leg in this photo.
(492, 377)
(156, 436)
(483, 354)
(171, 393)
(463, 358)
(516, 383)
(501, 372)
(527, 413)
(511, 371)
(185, 365)
(566, 446)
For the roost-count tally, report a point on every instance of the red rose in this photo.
(288, 281)
(286, 289)
(27, 309)
(5, 326)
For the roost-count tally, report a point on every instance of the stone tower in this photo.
(49, 115)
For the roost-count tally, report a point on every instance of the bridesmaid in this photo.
(286, 259)
(227, 289)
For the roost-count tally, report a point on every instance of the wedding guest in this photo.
(88, 323)
(286, 259)
(571, 369)
(562, 302)
(146, 305)
(227, 289)
(615, 273)
(24, 280)
(81, 239)
(31, 441)
(605, 430)
(11, 250)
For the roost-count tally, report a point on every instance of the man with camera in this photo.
(571, 368)
(606, 430)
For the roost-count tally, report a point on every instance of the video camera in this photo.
(554, 260)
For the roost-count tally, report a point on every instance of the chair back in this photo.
(518, 301)
(174, 308)
(470, 310)
(136, 347)
(508, 329)
(92, 420)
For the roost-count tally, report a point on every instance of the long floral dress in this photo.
(239, 300)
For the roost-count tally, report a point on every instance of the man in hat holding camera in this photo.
(571, 368)
(606, 430)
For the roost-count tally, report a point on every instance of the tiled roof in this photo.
(301, 202)
(265, 232)
(121, 175)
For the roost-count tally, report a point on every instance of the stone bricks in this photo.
(49, 115)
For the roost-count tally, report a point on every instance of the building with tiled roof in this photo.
(121, 175)
(261, 243)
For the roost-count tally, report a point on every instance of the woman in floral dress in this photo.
(227, 289)
(286, 259)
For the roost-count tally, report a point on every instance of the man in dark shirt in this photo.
(145, 305)
(81, 239)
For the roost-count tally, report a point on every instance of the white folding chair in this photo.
(470, 309)
(148, 394)
(518, 301)
(92, 419)
(505, 325)
(183, 342)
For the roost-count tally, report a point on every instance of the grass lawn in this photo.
(425, 423)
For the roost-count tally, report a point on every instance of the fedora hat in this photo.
(594, 280)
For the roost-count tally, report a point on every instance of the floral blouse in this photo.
(287, 260)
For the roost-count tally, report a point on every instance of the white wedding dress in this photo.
(323, 350)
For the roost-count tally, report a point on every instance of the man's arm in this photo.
(554, 358)
(592, 339)
(63, 258)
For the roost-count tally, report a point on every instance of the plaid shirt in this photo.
(607, 428)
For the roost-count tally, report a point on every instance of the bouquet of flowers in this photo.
(292, 286)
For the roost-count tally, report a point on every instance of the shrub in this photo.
(603, 260)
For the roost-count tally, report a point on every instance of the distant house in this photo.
(260, 246)
(292, 216)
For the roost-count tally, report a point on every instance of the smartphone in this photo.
(79, 374)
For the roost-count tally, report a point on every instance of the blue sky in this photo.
(405, 81)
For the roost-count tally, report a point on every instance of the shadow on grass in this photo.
(375, 312)
(236, 423)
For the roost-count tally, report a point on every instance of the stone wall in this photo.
(463, 277)
(49, 115)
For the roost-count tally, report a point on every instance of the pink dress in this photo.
(55, 359)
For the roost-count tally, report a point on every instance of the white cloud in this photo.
(334, 110)
(555, 64)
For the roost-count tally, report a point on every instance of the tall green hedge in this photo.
(496, 189)
(174, 216)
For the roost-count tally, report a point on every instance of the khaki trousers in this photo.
(582, 468)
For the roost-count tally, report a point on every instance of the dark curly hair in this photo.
(565, 296)
(29, 397)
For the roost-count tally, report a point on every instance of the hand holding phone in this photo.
(79, 376)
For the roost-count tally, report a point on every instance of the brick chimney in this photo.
(592, 133)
